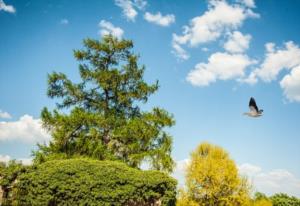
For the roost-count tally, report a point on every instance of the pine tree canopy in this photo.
(100, 116)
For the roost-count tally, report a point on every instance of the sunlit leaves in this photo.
(100, 116)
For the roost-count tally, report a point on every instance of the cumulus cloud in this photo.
(7, 8)
(237, 42)
(140, 4)
(248, 3)
(219, 18)
(7, 158)
(291, 85)
(26, 129)
(270, 47)
(159, 19)
(251, 79)
(64, 21)
(108, 28)
(4, 115)
(130, 7)
(206, 73)
(179, 51)
(278, 59)
(270, 182)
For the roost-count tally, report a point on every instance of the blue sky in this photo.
(210, 57)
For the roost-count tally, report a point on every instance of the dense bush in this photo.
(8, 177)
(93, 182)
(282, 199)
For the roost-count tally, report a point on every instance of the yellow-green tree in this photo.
(260, 199)
(262, 202)
(212, 179)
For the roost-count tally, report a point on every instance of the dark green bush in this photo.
(93, 182)
(8, 177)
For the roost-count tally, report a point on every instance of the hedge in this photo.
(93, 182)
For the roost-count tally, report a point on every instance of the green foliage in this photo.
(93, 182)
(104, 119)
(259, 196)
(260, 199)
(212, 179)
(282, 199)
(184, 199)
(262, 202)
(8, 177)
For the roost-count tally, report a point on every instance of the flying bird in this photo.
(254, 111)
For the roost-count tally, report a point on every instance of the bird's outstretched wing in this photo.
(252, 105)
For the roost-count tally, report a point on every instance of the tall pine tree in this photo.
(100, 116)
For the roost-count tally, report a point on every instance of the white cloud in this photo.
(179, 51)
(270, 47)
(108, 28)
(7, 8)
(237, 42)
(4, 115)
(251, 79)
(129, 7)
(4, 158)
(64, 21)
(277, 60)
(160, 19)
(291, 85)
(270, 182)
(219, 18)
(205, 49)
(248, 3)
(206, 73)
(128, 10)
(7, 158)
(26, 129)
(140, 4)
(180, 170)
(25, 161)
(249, 169)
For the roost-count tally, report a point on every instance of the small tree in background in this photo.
(260, 199)
(282, 199)
(104, 119)
(212, 179)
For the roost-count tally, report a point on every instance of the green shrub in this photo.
(8, 177)
(93, 182)
(281, 199)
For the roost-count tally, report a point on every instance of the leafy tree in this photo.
(282, 199)
(8, 175)
(100, 116)
(85, 181)
(260, 199)
(212, 179)
(259, 196)
(184, 200)
(263, 202)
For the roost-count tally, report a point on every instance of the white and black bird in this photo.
(254, 111)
